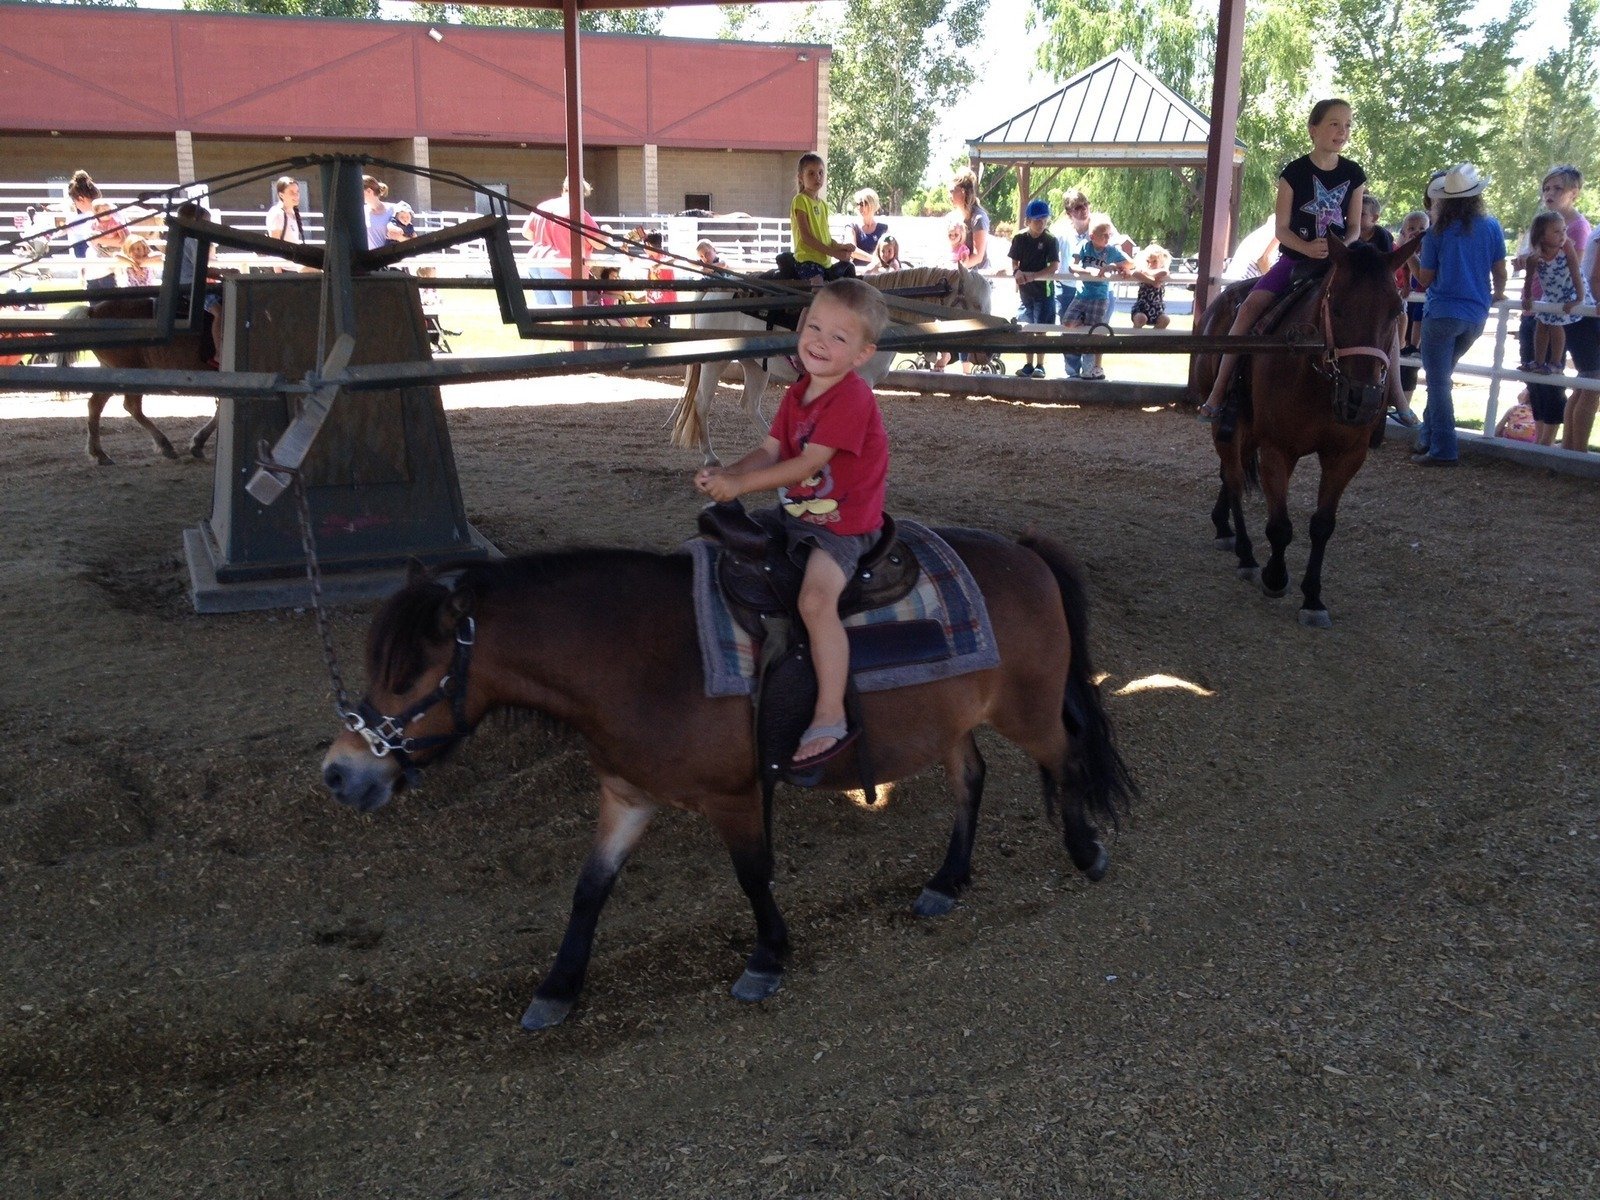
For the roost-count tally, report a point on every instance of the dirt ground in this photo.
(1346, 948)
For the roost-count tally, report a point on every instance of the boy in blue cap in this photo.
(1035, 257)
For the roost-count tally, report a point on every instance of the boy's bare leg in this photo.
(830, 647)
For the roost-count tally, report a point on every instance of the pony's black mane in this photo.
(414, 618)
(1366, 259)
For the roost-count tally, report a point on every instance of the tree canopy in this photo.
(610, 20)
(896, 64)
(365, 9)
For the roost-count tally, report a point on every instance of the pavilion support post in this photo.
(1024, 183)
(574, 91)
(183, 144)
(1218, 205)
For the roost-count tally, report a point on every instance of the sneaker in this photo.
(1025, 373)
(1039, 373)
(1093, 373)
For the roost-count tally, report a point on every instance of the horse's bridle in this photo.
(1354, 402)
(386, 735)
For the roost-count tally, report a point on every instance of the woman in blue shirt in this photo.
(1463, 253)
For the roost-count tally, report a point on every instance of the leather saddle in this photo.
(1307, 276)
(759, 578)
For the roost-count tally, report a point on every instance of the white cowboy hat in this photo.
(1458, 183)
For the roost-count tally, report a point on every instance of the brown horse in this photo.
(184, 352)
(1330, 402)
(604, 642)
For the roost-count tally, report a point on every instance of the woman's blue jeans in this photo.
(544, 297)
(1444, 341)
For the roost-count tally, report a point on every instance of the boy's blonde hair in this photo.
(863, 300)
(1416, 215)
(1099, 221)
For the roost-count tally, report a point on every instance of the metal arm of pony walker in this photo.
(272, 477)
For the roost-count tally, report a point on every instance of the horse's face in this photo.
(1362, 307)
(417, 705)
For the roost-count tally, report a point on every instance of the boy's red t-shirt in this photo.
(846, 497)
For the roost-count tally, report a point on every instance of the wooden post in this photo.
(1218, 205)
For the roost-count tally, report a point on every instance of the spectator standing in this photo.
(378, 209)
(1405, 279)
(1371, 232)
(867, 229)
(548, 230)
(1035, 258)
(283, 218)
(1583, 343)
(1462, 256)
(1071, 235)
(1558, 191)
(1098, 259)
(655, 246)
(964, 202)
(1553, 265)
(84, 235)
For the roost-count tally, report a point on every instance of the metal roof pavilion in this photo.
(1112, 114)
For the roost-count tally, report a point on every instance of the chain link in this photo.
(302, 507)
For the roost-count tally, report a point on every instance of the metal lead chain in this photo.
(302, 508)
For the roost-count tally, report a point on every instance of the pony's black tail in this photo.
(1251, 463)
(1094, 762)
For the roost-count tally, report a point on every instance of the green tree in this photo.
(608, 20)
(289, 8)
(1427, 88)
(1176, 41)
(896, 64)
(1550, 116)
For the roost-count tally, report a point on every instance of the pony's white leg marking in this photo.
(625, 812)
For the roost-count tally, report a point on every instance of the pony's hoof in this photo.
(167, 451)
(1274, 593)
(1223, 543)
(1249, 574)
(545, 1014)
(102, 460)
(933, 904)
(757, 985)
(198, 452)
(1316, 618)
(1096, 871)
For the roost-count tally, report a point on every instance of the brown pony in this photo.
(604, 642)
(184, 352)
(1330, 402)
